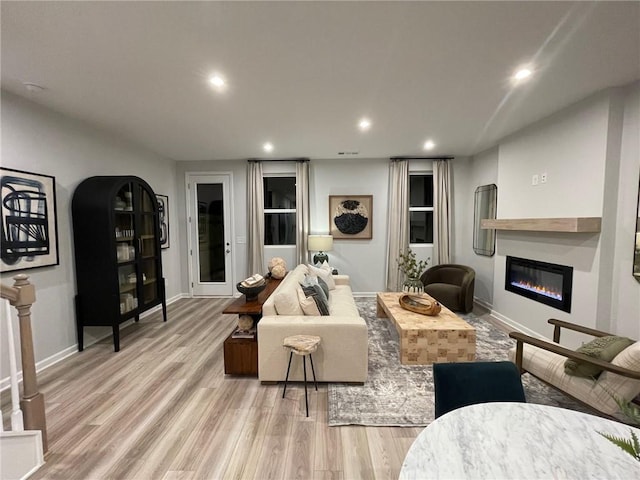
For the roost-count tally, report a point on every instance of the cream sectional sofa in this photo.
(343, 352)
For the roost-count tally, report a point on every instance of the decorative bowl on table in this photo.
(251, 293)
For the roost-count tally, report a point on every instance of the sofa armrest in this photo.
(557, 324)
(341, 279)
(521, 339)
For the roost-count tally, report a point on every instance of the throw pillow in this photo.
(323, 274)
(308, 303)
(324, 287)
(316, 294)
(287, 304)
(313, 280)
(603, 348)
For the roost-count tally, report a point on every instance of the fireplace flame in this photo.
(541, 289)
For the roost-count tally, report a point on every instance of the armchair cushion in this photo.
(604, 348)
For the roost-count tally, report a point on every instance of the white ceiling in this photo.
(301, 74)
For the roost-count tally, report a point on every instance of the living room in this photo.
(588, 147)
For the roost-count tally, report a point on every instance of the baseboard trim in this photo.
(483, 303)
(5, 383)
(365, 294)
(516, 326)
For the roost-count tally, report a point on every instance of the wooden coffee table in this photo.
(428, 339)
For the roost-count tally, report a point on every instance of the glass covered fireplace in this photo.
(546, 283)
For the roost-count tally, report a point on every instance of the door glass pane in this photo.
(211, 248)
(280, 229)
(147, 236)
(421, 227)
(124, 199)
(127, 285)
(147, 201)
(149, 281)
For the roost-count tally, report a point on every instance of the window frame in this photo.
(421, 173)
(277, 210)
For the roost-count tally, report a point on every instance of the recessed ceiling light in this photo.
(364, 124)
(429, 145)
(268, 147)
(217, 81)
(522, 74)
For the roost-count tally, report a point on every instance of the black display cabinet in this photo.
(116, 234)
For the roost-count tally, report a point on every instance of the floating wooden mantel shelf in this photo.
(571, 224)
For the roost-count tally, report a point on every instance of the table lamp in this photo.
(320, 244)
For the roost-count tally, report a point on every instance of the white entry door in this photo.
(210, 234)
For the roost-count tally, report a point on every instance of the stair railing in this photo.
(21, 296)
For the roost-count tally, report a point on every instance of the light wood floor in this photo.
(162, 408)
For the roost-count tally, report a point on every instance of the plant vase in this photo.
(413, 285)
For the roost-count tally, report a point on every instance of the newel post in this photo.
(32, 402)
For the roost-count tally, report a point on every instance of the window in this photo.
(421, 208)
(279, 210)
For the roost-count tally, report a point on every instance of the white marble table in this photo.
(519, 441)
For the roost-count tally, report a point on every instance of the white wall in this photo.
(39, 140)
(579, 149)
(625, 311)
(469, 174)
(363, 260)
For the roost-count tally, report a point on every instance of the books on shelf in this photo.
(253, 280)
(237, 333)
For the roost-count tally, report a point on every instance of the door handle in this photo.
(227, 251)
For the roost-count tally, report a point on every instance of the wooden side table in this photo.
(241, 354)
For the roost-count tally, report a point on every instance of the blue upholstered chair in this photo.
(461, 384)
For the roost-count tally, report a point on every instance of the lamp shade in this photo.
(320, 243)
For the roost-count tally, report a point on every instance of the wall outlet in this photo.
(543, 177)
(534, 179)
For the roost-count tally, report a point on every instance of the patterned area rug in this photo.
(402, 395)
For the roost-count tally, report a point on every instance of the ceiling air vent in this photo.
(348, 153)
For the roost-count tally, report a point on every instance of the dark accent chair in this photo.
(460, 384)
(452, 285)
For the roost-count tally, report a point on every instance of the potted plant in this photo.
(629, 445)
(411, 269)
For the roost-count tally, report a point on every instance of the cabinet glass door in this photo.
(148, 251)
(125, 233)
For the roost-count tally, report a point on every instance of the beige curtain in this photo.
(255, 216)
(398, 232)
(302, 210)
(441, 212)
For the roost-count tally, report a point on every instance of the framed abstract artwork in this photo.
(28, 215)
(163, 217)
(351, 216)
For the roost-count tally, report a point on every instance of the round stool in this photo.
(301, 345)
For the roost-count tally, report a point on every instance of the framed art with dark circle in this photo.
(351, 216)
(28, 216)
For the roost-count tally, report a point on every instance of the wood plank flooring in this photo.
(162, 408)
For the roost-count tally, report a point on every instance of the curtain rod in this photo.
(294, 159)
(411, 157)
